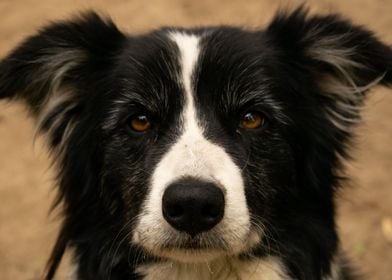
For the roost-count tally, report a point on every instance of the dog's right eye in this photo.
(252, 120)
(139, 123)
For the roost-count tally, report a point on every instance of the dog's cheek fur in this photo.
(128, 165)
(269, 171)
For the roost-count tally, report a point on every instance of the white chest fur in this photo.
(225, 269)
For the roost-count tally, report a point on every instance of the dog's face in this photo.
(192, 144)
(195, 139)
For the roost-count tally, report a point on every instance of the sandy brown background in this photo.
(26, 186)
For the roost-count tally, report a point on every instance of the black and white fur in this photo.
(83, 79)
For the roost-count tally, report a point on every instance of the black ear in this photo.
(55, 72)
(47, 69)
(343, 60)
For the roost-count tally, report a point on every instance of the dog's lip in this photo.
(195, 250)
(190, 255)
(191, 246)
(201, 242)
(198, 242)
(203, 247)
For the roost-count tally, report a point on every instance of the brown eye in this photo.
(252, 120)
(140, 123)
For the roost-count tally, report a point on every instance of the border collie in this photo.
(205, 153)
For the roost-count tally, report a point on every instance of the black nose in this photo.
(193, 206)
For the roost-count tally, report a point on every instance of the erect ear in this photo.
(343, 60)
(47, 69)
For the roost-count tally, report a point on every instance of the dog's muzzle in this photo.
(193, 206)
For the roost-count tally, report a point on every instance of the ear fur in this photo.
(52, 72)
(344, 60)
(47, 69)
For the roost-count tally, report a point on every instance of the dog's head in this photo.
(197, 143)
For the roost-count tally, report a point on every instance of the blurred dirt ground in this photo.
(26, 180)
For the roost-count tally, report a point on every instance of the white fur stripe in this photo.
(189, 50)
(269, 268)
(195, 156)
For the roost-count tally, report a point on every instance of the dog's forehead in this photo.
(220, 62)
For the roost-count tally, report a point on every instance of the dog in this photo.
(205, 153)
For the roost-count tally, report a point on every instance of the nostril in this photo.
(211, 211)
(174, 211)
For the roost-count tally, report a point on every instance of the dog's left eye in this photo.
(139, 123)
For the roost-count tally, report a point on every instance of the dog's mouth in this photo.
(202, 247)
(187, 255)
(202, 241)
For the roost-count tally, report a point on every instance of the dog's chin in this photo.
(190, 255)
(195, 250)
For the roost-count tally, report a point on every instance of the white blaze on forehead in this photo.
(189, 52)
(192, 155)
